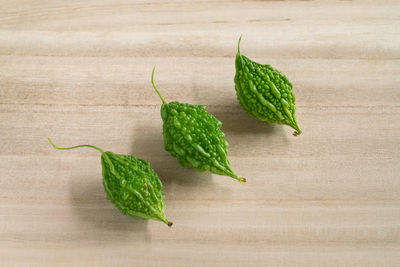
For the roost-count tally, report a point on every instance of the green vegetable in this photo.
(194, 137)
(264, 92)
(131, 184)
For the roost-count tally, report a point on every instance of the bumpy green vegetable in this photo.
(194, 137)
(264, 92)
(131, 184)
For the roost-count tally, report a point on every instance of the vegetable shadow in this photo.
(237, 120)
(98, 218)
(238, 123)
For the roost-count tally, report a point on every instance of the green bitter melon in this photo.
(131, 185)
(264, 92)
(194, 137)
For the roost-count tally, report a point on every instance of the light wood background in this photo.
(79, 72)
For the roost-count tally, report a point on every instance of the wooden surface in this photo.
(79, 72)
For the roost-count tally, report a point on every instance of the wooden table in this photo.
(79, 72)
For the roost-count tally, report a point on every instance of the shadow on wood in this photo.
(235, 119)
(98, 215)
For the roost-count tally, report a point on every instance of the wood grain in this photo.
(79, 72)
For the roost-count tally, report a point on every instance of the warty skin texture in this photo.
(264, 92)
(195, 138)
(131, 185)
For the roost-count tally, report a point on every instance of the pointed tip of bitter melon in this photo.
(297, 128)
(232, 174)
(164, 220)
(242, 180)
(296, 133)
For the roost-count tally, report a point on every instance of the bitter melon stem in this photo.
(238, 52)
(152, 81)
(240, 39)
(73, 147)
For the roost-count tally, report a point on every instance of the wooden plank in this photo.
(122, 81)
(79, 72)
